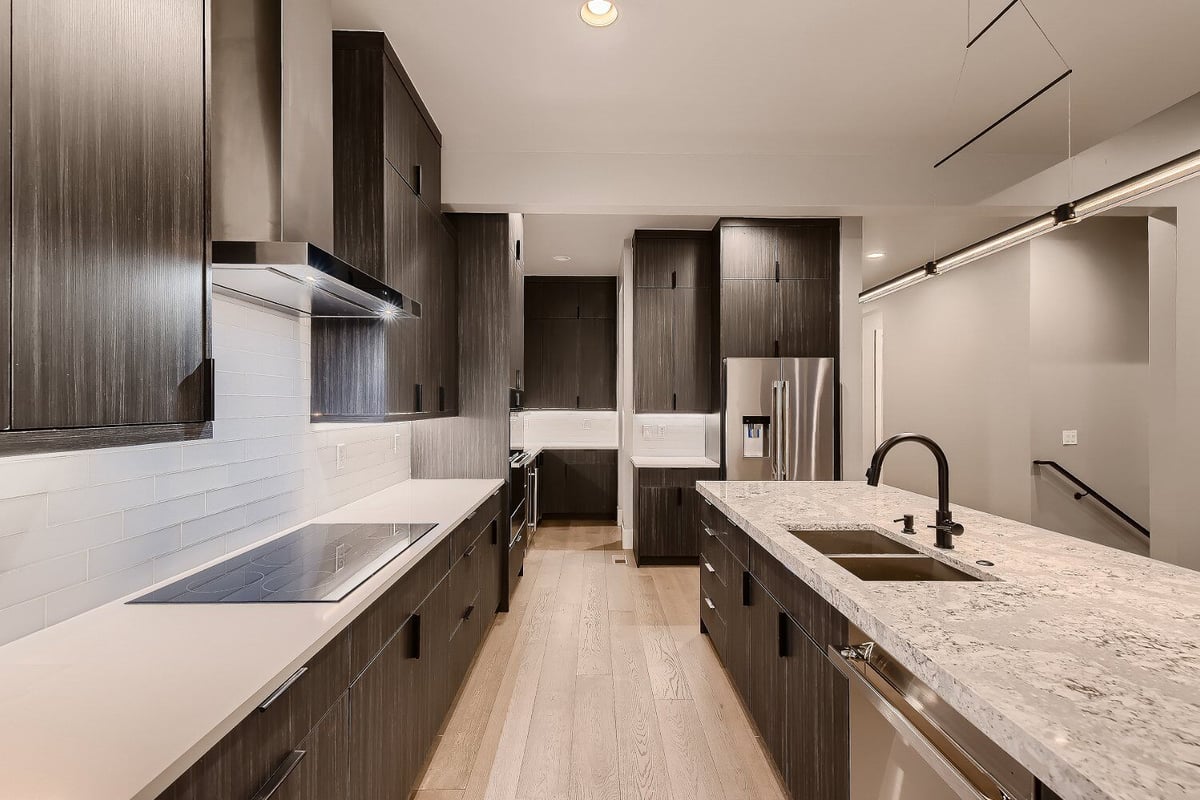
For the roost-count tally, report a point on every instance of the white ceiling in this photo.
(593, 241)
(780, 76)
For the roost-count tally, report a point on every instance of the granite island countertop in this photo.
(1081, 661)
(116, 703)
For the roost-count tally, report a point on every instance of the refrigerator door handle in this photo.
(777, 414)
(785, 425)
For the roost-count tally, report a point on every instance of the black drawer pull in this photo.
(470, 610)
(280, 775)
(746, 587)
(783, 635)
(418, 178)
(278, 693)
(414, 633)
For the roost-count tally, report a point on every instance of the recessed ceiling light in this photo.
(876, 254)
(562, 258)
(598, 13)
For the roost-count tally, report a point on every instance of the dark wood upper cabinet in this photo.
(749, 318)
(107, 306)
(674, 337)
(387, 221)
(779, 288)
(570, 343)
(654, 349)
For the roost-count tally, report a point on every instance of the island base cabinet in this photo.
(320, 773)
(817, 723)
(768, 671)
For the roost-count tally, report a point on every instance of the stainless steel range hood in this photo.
(272, 165)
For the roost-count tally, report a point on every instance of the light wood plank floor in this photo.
(598, 685)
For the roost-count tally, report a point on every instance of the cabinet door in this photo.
(428, 166)
(767, 670)
(598, 299)
(693, 350)
(748, 252)
(597, 365)
(692, 262)
(552, 483)
(653, 262)
(389, 727)
(108, 213)
(516, 318)
(321, 773)
(429, 336)
(449, 326)
(551, 299)
(591, 479)
(402, 353)
(737, 617)
(653, 350)
(749, 323)
(808, 314)
(652, 538)
(817, 733)
(809, 250)
(400, 117)
(560, 371)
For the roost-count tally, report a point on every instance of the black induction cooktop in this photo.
(315, 564)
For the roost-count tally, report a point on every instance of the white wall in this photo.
(1090, 371)
(1175, 299)
(80, 529)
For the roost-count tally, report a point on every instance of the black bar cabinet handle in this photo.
(783, 635)
(414, 632)
(285, 768)
(746, 587)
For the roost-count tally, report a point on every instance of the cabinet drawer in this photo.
(731, 536)
(375, 626)
(712, 600)
(479, 521)
(247, 757)
(823, 624)
(715, 561)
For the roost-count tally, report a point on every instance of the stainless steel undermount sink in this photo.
(902, 568)
(851, 543)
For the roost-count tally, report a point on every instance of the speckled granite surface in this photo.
(1081, 661)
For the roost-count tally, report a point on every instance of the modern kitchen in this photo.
(599, 399)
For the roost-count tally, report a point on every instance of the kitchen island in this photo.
(1082, 662)
(119, 702)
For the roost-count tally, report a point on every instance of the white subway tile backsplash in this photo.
(35, 580)
(128, 552)
(74, 600)
(22, 514)
(78, 530)
(112, 466)
(19, 549)
(28, 476)
(159, 515)
(96, 501)
(19, 620)
(180, 484)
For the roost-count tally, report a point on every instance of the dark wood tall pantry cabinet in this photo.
(103, 284)
(570, 342)
(388, 222)
(674, 302)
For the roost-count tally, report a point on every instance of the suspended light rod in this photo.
(1119, 194)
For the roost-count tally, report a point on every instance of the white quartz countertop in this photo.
(1083, 662)
(116, 703)
(537, 447)
(674, 462)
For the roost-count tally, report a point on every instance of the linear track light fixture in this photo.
(1148, 182)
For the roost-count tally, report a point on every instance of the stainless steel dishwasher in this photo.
(906, 743)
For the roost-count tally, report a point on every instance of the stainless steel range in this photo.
(316, 564)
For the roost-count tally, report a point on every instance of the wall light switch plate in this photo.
(1070, 437)
(396, 443)
(339, 456)
(587, 424)
(647, 432)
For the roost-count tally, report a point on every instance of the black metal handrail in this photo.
(1088, 491)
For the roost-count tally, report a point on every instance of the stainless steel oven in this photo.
(519, 515)
(906, 743)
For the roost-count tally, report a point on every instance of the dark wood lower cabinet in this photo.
(578, 483)
(798, 699)
(366, 709)
(667, 528)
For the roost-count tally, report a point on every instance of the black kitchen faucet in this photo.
(946, 527)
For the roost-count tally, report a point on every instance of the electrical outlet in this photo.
(395, 443)
(647, 432)
(662, 431)
(339, 456)
(1070, 437)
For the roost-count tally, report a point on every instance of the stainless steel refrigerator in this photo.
(777, 419)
